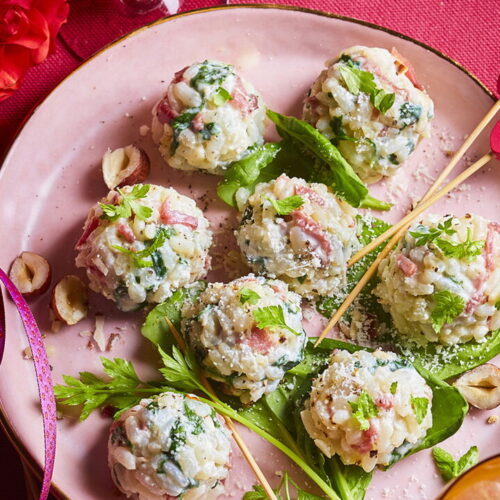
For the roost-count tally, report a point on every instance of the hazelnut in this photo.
(69, 300)
(30, 273)
(125, 166)
(481, 386)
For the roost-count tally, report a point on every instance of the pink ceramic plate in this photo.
(52, 176)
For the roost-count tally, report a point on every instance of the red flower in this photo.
(28, 29)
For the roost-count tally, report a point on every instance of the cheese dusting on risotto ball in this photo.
(365, 406)
(208, 118)
(143, 242)
(225, 331)
(300, 233)
(442, 282)
(172, 446)
(350, 103)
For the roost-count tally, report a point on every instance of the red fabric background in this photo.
(466, 30)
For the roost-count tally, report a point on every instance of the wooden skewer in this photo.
(421, 207)
(236, 436)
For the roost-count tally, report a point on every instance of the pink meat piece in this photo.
(410, 72)
(312, 229)
(168, 216)
(197, 123)
(376, 71)
(89, 228)
(179, 74)
(385, 401)
(165, 112)
(258, 340)
(406, 265)
(476, 300)
(246, 103)
(125, 232)
(368, 439)
(310, 194)
(489, 245)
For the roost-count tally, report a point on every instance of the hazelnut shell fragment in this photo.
(30, 273)
(69, 300)
(481, 386)
(125, 166)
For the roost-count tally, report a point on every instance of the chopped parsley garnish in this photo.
(141, 257)
(177, 437)
(301, 279)
(409, 113)
(272, 317)
(287, 205)
(248, 295)
(128, 205)
(209, 130)
(358, 81)
(424, 234)
(194, 419)
(210, 72)
(420, 408)
(363, 409)
(450, 468)
(466, 250)
(341, 135)
(447, 306)
(393, 158)
(182, 122)
(394, 388)
(220, 97)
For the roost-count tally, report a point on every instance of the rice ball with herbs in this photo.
(300, 233)
(171, 446)
(442, 282)
(246, 334)
(368, 103)
(208, 118)
(143, 242)
(367, 405)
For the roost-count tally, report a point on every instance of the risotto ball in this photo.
(442, 282)
(143, 242)
(349, 103)
(365, 406)
(306, 244)
(171, 446)
(246, 334)
(208, 118)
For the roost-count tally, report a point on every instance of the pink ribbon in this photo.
(43, 376)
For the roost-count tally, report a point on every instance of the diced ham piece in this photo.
(179, 74)
(197, 123)
(125, 232)
(406, 265)
(489, 246)
(258, 340)
(368, 439)
(310, 194)
(476, 300)
(168, 216)
(407, 68)
(241, 100)
(164, 111)
(319, 240)
(89, 228)
(386, 401)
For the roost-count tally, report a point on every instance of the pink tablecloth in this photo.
(466, 30)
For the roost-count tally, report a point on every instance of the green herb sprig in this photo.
(128, 205)
(272, 317)
(447, 306)
(287, 205)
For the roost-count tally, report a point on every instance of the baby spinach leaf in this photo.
(156, 329)
(344, 181)
(248, 172)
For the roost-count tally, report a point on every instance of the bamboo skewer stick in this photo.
(236, 436)
(421, 207)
